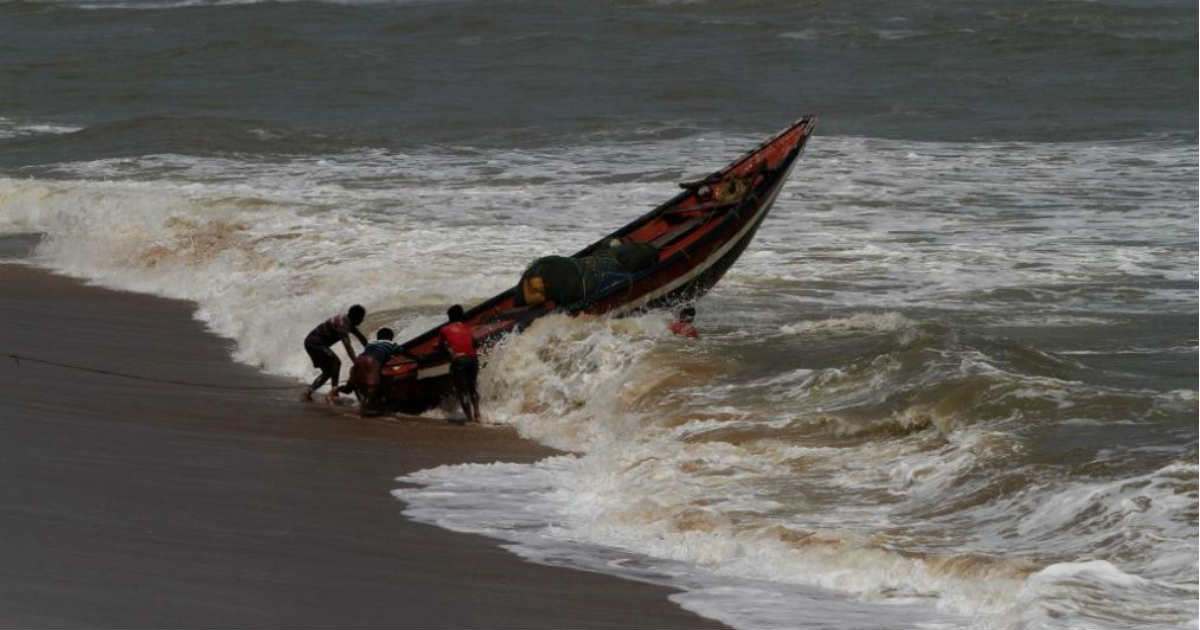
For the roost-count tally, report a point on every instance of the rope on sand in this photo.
(137, 377)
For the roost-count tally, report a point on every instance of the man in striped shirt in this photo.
(366, 375)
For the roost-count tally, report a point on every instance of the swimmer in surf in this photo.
(683, 326)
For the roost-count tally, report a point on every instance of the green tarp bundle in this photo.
(567, 280)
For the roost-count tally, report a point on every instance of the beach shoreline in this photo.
(225, 502)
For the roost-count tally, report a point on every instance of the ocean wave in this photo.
(875, 509)
(855, 324)
(13, 129)
(683, 509)
(231, 253)
(842, 436)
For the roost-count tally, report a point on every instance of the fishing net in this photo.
(569, 281)
(559, 278)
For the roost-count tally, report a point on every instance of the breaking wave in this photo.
(857, 480)
(857, 432)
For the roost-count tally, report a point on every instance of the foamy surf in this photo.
(870, 430)
(10, 128)
(761, 527)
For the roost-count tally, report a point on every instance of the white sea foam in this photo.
(903, 247)
(1033, 320)
(648, 482)
(13, 129)
(745, 566)
(807, 34)
(913, 218)
(858, 323)
(233, 247)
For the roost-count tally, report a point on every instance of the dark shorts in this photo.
(322, 357)
(464, 371)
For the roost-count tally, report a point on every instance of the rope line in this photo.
(137, 377)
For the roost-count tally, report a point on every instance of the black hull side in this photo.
(706, 279)
(702, 283)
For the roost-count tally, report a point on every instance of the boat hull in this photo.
(698, 235)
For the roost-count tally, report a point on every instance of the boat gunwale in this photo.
(428, 360)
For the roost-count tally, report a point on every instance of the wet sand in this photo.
(132, 503)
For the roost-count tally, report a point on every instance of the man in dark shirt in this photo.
(318, 344)
(383, 347)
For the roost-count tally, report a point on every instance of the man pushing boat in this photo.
(319, 342)
(459, 340)
(366, 375)
(673, 253)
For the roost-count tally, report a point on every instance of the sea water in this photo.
(952, 382)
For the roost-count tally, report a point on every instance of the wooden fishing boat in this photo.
(672, 254)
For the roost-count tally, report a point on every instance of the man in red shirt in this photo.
(684, 326)
(457, 338)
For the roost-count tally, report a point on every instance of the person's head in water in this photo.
(356, 314)
(687, 314)
(455, 313)
(385, 333)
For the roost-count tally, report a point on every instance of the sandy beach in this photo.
(137, 503)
